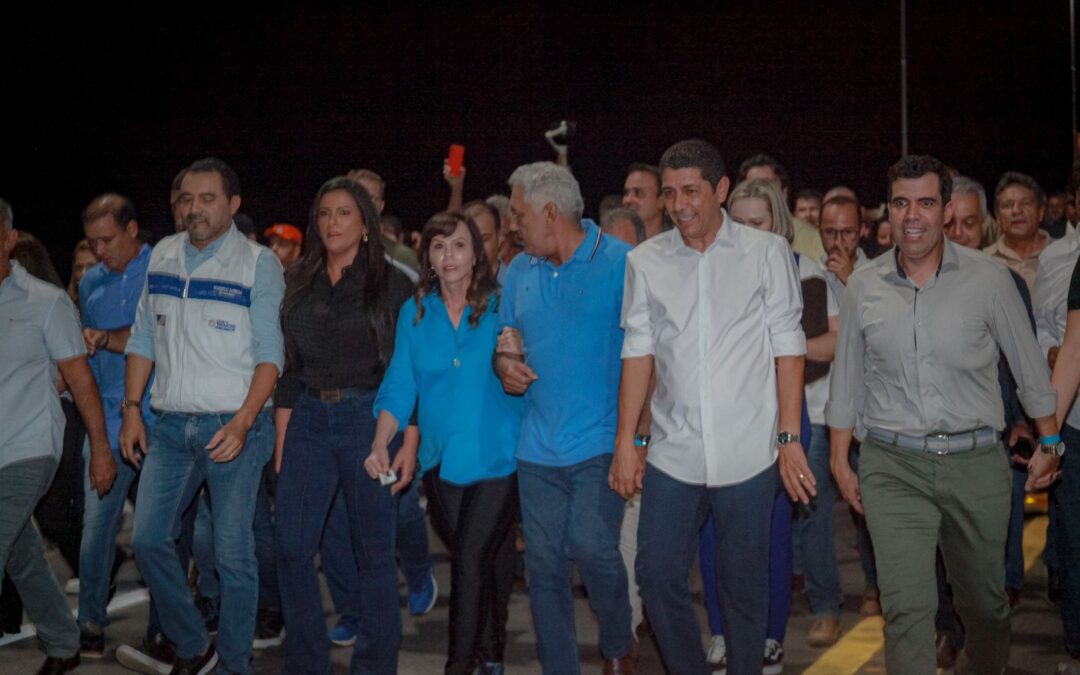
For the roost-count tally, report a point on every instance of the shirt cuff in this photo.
(637, 345)
(1038, 402)
(791, 343)
(838, 417)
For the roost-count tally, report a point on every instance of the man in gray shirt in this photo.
(916, 363)
(41, 339)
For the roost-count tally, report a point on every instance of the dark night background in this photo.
(119, 98)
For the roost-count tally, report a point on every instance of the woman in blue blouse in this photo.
(469, 429)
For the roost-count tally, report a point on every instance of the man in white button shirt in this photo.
(715, 307)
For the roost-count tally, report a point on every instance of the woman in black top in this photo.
(338, 318)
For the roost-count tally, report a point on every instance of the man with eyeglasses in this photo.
(840, 220)
(1020, 206)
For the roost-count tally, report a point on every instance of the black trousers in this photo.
(475, 522)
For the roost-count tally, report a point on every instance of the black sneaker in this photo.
(91, 644)
(269, 629)
(200, 665)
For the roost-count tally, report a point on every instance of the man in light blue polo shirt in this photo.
(561, 302)
(40, 337)
(108, 296)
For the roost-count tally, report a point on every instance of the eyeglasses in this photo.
(843, 234)
(1024, 204)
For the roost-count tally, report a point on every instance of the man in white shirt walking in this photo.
(715, 307)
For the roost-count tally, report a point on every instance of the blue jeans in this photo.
(269, 596)
(570, 515)
(325, 447)
(338, 563)
(202, 551)
(672, 513)
(1014, 545)
(779, 570)
(815, 526)
(97, 553)
(177, 465)
(1065, 504)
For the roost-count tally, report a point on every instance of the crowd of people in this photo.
(695, 379)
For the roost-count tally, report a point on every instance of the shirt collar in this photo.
(17, 275)
(135, 266)
(588, 247)
(950, 260)
(212, 248)
(727, 237)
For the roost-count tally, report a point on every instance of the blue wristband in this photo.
(1050, 440)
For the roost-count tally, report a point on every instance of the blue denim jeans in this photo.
(672, 513)
(339, 566)
(325, 447)
(97, 553)
(177, 465)
(815, 527)
(202, 552)
(570, 515)
(1065, 504)
(269, 596)
(779, 570)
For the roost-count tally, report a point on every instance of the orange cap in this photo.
(285, 231)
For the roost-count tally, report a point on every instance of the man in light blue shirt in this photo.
(39, 333)
(108, 295)
(561, 304)
(208, 322)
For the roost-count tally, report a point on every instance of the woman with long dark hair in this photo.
(446, 335)
(338, 316)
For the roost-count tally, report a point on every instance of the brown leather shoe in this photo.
(946, 651)
(824, 632)
(871, 602)
(624, 665)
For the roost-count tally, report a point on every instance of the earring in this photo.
(365, 236)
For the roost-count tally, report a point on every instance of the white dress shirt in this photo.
(1051, 294)
(715, 322)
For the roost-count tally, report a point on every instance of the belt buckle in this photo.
(939, 436)
(330, 395)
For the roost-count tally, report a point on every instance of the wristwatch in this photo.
(1052, 445)
(130, 403)
(785, 437)
(642, 440)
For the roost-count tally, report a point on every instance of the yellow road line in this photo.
(859, 645)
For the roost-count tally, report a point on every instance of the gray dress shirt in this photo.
(922, 361)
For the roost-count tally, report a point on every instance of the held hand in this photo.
(1042, 471)
(95, 340)
(102, 470)
(798, 480)
(404, 467)
(452, 181)
(1051, 355)
(848, 482)
(1020, 430)
(228, 442)
(133, 437)
(378, 462)
(627, 469)
(515, 375)
(510, 342)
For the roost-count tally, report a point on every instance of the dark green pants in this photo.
(916, 501)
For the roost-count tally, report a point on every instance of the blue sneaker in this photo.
(344, 634)
(421, 601)
(491, 668)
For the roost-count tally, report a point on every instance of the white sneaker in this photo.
(1068, 668)
(774, 658)
(133, 659)
(717, 655)
(72, 586)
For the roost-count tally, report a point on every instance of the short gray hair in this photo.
(963, 185)
(543, 182)
(614, 216)
(6, 217)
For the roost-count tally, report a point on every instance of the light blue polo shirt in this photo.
(38, 328)
(108, 300)
(569, 318)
